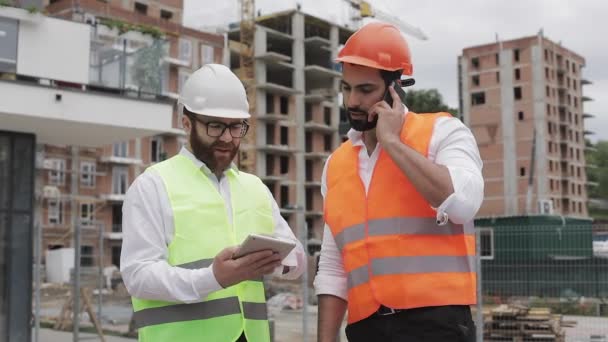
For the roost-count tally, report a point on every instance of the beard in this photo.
(360, 125)
(207, 152)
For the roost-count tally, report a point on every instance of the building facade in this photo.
(523, 99)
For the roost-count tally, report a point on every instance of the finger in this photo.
(261, 263)
(267, 269)
(396, 99)
(253, 258)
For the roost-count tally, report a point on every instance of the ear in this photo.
(186, 123)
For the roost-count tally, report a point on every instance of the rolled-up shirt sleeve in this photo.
(454, 146)
(331, 277)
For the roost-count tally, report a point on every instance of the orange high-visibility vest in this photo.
(394, 252)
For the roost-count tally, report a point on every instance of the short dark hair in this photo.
(390, 76)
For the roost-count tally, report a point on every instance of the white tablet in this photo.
(255, 243)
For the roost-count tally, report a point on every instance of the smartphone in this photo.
(399, 89)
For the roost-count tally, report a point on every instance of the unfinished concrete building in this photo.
(297, 110)
(511, 92)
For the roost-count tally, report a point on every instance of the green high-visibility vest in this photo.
(202, 230)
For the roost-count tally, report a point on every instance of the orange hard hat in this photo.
(380, 46)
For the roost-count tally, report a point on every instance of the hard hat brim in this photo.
(221, 113)
(371, 64)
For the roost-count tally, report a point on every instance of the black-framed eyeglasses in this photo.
(216, 129)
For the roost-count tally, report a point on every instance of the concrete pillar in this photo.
(299, 84)
(508, 133)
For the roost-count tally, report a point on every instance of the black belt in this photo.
(386, 311)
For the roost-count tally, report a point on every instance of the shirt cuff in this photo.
(205, 282)
(331, 285)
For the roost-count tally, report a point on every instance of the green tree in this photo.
(427, 101)
(598, 157)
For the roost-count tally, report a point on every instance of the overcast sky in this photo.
(453, 25)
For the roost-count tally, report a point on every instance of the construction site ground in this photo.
(288, 323)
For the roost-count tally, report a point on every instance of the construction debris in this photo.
(517, 323)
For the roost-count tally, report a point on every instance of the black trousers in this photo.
(430, 324)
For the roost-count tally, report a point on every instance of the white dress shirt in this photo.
(452, 145)
(148, 229)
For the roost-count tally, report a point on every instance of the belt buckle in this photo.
(386, 311)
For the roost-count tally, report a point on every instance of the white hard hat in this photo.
(214, 90)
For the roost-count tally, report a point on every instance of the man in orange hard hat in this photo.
(400, 196)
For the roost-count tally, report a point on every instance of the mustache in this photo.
(222, 145)
(356, 110)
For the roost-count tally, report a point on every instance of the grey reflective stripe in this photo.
(401, 225)
(421, 264)
(358, 276)
(187, 312)
(255, 310)
(411, 265)
(204, 310)
(197, 264)
(415, 226)
(350, 234)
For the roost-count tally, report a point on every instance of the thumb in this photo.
(226, 253)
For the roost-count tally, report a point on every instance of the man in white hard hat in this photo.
(183, 217)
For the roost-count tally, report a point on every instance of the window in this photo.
(284, 195)
(327, 116)
(269, 103)
(517, 93)
(497, 77)
(269, 164)
(181, 79)
(270, 129)
(548, 91)
(116, 256)
(516, 55)
(309, 170)
(327, 142)
(185, 50)
(86, 214)
(573, 67)
(156, 150)
(522, 171)
(120, 180)
(284, 161)
(86, 256)
(551, 184)
(580, 207)
(207, 54)
(475, 80)
(547, 73)
(57, 171)
(55, 212)
(497, 57)
(284, 104)
(121, 149)
(517, 74)
(308, 112)
(309, 199)
(520, 116)
(546, 55)
(575, 102)
(284, 135)
(486, 239)
(141, 8)
(478, 98)
(167, 15)
(87, 174)
(549, 126)
(308, 141)
(475, 62)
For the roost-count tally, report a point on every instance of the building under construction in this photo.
(294, 97)
(523, 99)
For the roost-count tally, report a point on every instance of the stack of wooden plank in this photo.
(516, 323)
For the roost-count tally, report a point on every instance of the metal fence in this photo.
(546, 282)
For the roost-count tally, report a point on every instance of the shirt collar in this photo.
(200, 165)
(356, 137)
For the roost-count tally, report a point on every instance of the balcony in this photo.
(113, 198)
(319, 127)
(278, 149)
(113, 236)
(317, 155)
(120, 160)
(64, 99)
